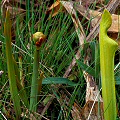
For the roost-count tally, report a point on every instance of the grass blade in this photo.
(58, 80)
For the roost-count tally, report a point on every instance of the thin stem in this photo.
(34, 86)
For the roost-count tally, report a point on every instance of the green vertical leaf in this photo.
(10, 66)
(107, 53)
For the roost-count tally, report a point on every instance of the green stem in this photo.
(10, 66)
(107, 53)
(34, 86)
(38, 39)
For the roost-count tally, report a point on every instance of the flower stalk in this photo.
(38, 38)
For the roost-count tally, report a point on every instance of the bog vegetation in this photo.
(59, 60)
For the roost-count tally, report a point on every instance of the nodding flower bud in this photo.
(38, 38)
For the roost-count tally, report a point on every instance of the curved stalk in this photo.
(107, 53)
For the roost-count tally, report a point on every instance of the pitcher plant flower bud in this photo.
(38, 39)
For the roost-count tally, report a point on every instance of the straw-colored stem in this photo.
(107, 53)
(21, 71)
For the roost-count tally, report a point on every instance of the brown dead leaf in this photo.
(55, 8)
(115, 27)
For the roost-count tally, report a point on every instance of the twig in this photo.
(3, 115)
(93, 105)
(48, 104)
